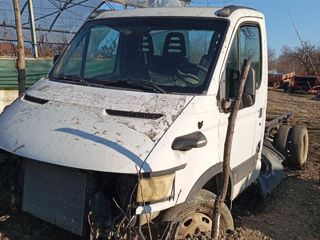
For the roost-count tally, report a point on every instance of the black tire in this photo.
(286, 87)
(280, 140)
(299, 143)
(193, 220)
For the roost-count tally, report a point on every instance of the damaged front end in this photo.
(83, 202)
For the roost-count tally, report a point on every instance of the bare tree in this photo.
(272, 58)
(304, 59)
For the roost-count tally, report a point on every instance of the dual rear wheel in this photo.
(293, 143)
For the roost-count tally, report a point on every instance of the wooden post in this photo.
(21, 54)
(227, 151)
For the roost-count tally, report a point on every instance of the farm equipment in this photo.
(305, 83)
(279, 79)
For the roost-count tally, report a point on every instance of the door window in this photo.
(246, 45)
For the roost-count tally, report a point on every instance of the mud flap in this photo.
(272, 170)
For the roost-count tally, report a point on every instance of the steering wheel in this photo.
(189, 73)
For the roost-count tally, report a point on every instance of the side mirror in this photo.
(55, 58)
(189, 141)
(249, 92)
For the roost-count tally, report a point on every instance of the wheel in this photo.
(286, 87)
(280, 140)
(193, 220)
(299, 143)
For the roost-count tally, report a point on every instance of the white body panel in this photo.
(74, 130)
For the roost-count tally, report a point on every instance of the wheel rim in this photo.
(195, 224)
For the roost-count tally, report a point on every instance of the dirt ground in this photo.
(292, 211)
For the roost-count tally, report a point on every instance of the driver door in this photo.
(244, 153)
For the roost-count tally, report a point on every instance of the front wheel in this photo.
(193, 220)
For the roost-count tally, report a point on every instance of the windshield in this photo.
(148, 54)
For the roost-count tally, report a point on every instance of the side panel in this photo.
(200, 115)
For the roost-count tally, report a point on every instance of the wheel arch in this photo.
(211, 180)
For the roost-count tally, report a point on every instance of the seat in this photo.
(174, 52)
(174, 45)
(147, 47)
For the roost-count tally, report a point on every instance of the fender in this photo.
(205, 177)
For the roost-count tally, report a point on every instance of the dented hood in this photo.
(88, 128)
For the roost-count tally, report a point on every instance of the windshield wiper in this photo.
(136, 83)
(156, 87)
(74, 78)
(81, 80)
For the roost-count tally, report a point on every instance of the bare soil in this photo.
(292, 211)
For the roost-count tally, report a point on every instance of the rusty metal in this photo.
(306, 83)
(273, 124)
(277, 79)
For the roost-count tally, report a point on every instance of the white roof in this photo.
(159, 12)
(176, 12)
(165, 12)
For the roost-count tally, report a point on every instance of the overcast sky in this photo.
(305, 14)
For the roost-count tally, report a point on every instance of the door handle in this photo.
(260, 113)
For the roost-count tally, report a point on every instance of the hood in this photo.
(88, 128)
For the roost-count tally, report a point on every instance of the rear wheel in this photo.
(281, 139)
(299, 143)
(193, 220)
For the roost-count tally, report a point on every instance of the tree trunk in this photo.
(21, 54)
(227, 151)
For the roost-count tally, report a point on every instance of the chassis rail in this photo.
(273, 124)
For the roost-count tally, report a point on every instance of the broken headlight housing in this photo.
(155, 188)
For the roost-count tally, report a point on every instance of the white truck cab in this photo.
(133, 116)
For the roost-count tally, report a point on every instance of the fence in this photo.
(35, 69)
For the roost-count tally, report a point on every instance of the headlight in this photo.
(154, 188)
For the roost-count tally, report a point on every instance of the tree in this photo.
(272, 58)
(304, 59)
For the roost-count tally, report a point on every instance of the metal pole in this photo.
(33, 30)
(21, 54)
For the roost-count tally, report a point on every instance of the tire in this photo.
(193, 220)
(280, 140)
(286, 87)
(299, 143)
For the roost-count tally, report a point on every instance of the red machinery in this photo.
(306, 83)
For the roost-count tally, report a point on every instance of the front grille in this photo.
(56, 194)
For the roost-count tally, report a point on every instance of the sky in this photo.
(280, 31)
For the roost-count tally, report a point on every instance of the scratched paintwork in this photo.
(73, 128)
